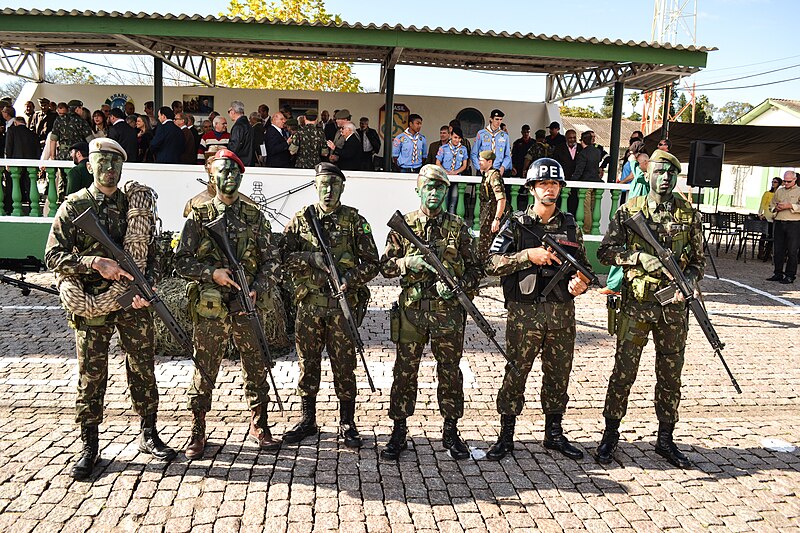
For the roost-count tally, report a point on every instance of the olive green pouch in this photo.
(394, 323)
(210, 304)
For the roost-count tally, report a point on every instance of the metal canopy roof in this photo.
(192, 43)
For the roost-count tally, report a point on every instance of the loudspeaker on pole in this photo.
(705, 163)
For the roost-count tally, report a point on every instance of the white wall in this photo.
(775, 117)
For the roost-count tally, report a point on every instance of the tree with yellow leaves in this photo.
(287, 74)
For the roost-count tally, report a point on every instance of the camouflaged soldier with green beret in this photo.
(428, 311)
(320, 323)
(492, 199)
(68, 130)
(678, 228)
(72, 252)
(211, 292)
(308, 144)
(537, 323)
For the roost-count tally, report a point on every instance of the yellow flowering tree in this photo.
(288, 74)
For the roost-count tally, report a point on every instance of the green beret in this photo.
(75, 103)
(311, 113)
(432, 172)
(487, 155)
(666, 157)
(342, 114)
(329, 169)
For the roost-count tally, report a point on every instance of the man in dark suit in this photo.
(330, 127)
(167, 143)
(21, 143)
(120, 131)
(565, 154)
(277, 147)
(241, 142)
(189, 156)
(350, 155)
(371, 144)
(45, 118)
(587, 168)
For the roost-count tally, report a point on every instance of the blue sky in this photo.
(753, 36)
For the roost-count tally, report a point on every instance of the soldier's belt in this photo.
(432, 305)
(321, 300)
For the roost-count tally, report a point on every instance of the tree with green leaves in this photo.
(288, 74)
(581, 112)
(607, 109)
(74, 76)
(732, 111)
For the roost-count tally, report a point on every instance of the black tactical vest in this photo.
(526, 286)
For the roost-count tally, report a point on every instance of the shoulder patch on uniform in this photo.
(367, 228)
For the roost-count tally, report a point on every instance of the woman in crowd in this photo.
(98, 123)
(144, 136)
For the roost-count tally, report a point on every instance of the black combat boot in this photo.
(397, 441)
(149, 442)
(452, 441)
(307, 425)
(554, 438)
(608, 445)
(197, 444)
(666, 448)
(89, 455)
(259, 430)
(505, 443)
(347, 424)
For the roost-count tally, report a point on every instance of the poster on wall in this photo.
(118, 101)
(298, 106)
(399, 119)
(198, 103)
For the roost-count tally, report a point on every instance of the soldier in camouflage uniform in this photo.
(308, 143)
(536, 322)
(427, 311)
(678, 227)
(71, 252)
(320, 323)
(538, 150)
(492, 197)
(68, 130)
(211, 292)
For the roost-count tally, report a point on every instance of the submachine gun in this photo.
(90, 224)
(638, 224)
(335, 283)
(217, 232)
(398, 223)
(22, 267)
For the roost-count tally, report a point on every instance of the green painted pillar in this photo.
(614, 203)
(598, 197)
(461, 206)
(36, 210)
(52, 193)
(16, 191)
(579, 213)
(476, 214)
(564, 196)
(2, 200)
(514, 197)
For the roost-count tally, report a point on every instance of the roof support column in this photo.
(665, 111)
(388, 121)
(616, 126)
(158, 84)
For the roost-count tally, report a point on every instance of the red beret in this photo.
(228, 154)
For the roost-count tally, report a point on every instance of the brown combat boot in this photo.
(197, 444)
(259, 430)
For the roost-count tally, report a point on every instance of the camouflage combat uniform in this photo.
(678, 228)
(424, 315)
(492, 190)
(309, 146)
(320, 322)
(70, 251)
(68, 130)
(536, 151)
(196, 258)
(536, 324)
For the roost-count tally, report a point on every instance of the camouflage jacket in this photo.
(449, 236)
(68, 130)
(349, 237)
(492, 190)
(536, 151)
(249, 233)
(308, 145)
(70, 251)
(678, 227)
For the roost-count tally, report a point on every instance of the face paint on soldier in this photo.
(227, 176)
(432, 194)
(329, 190)
(106, 167)
(663, 177)
(546, 191)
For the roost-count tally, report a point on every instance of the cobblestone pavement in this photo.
(737, 484)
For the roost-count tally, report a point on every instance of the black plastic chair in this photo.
(755, 231)
(723, 227)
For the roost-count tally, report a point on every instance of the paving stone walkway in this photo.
(737, 484)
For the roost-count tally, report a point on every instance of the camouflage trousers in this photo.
(210, 339)
(136, 337)
(670, 341)
(445, 330)
(320, 328)
(532, 329)
(486, 237)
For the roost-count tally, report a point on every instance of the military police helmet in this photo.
(545, 169)
(432, 172)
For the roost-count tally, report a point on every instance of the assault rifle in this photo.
(638, 225)
(22, 267)
(89, 223)
(569, 266)
(398, 223)
(217, 232)
(335, 282)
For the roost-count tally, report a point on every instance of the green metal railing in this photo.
(31, 173)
